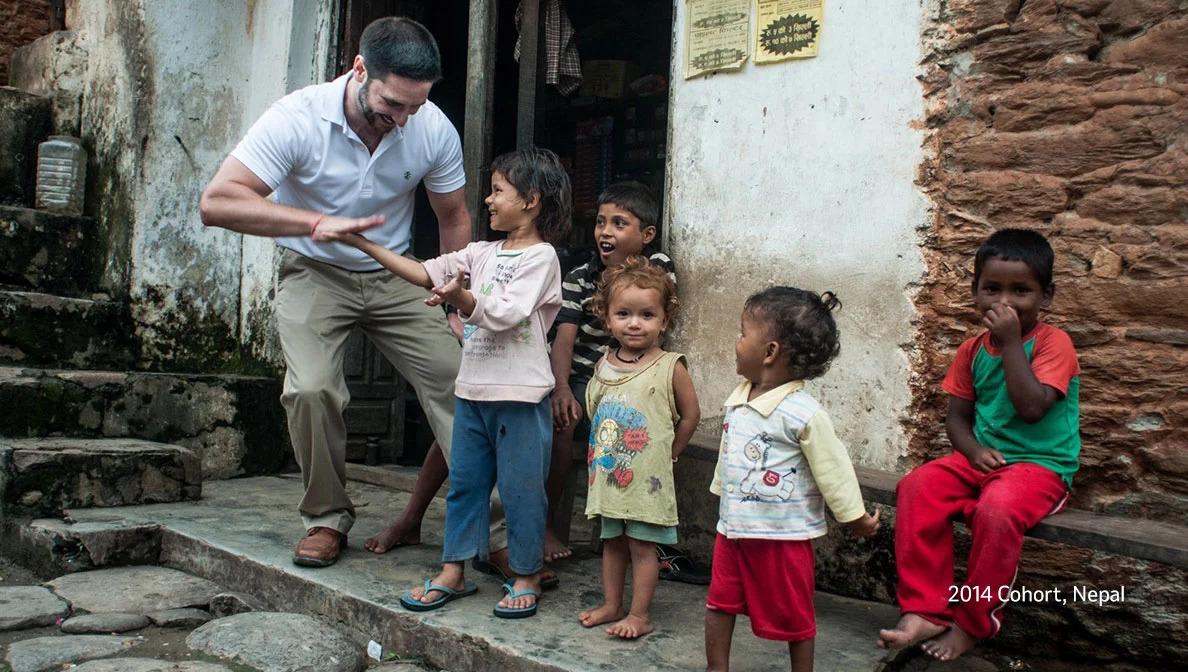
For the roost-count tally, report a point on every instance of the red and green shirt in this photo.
(977, 375)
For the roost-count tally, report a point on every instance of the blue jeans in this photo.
(504, 442)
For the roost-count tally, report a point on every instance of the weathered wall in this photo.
(1069, 117)
(801, 173)
(21, 22)
(170, 88)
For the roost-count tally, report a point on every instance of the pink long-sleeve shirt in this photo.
(517, 293)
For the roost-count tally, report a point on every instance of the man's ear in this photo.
(358, 69)
(649, 234)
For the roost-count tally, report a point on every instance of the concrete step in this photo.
(241, 536)
(43, 477)
(45, 330)
(235, 424)
(41, 250)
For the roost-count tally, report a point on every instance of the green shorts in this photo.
(657, 534)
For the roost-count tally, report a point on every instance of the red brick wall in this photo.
(21, 22)
(1070, 117)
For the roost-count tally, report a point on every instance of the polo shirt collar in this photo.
(332, 104)
(764, 403)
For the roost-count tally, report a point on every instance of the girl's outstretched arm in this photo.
(401, 266)
(687, 407)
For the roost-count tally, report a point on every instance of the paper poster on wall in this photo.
(717, 33)
(787, 29)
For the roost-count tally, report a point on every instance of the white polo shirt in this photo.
(303, 148)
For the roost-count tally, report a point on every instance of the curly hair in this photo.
(802, 323)
(536, 170)
(635, 272)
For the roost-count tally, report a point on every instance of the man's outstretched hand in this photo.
(332, 229)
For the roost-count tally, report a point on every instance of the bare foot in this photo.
(399, 533)
(949, 646)
(553, 548)
(449, 577)
(911, 630)
(631, 627)
(522, 583)
(603, 613)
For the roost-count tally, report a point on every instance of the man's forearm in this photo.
(239, 209)
(454, 231)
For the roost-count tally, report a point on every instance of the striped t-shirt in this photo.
(577, 296)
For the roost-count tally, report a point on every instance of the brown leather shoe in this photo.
(319, 547)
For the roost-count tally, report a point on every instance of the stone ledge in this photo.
(42, 329)
(43, 250)
(1131, 537)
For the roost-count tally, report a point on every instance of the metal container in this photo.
(61, 175)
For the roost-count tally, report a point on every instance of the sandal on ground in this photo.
(447, 594)
(676, 566)
(487, 567)
(521, 612)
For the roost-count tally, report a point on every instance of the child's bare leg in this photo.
(911, 630)
(949, 646)
(645, 574)
(451, 576)
(554, 487)
(406, 530)
(614, 575)
(719, 632)
(801, 654)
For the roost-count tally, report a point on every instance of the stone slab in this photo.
(148, 665)
(279, 642)
(23, 607)
(104, 623)
(231, 603)
(25, 121)
(241, 535)
(137, 590)
(188, 618)
(41, 250)
(39, 329)
(234, 423)
(43, 654)
(48, 475)
(51, 546)
(55, 66)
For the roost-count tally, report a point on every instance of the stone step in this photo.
(235, 424)
(42, 250)
(43, 477)
(241, 535)
(45, 330)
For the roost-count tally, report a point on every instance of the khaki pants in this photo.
(317, 306)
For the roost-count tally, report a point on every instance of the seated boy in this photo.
(625, 227)
(1013, 423)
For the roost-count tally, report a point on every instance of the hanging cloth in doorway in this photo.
(563, 67)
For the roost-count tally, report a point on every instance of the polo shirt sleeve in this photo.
(959, 379)
(832, 470)
(447, 172)
(572, 296)
(275, 144)
(1054, 359)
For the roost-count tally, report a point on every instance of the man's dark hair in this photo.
(802, 323)
(1029, 247)
(536, 170)
(398, 46)
(635, 198)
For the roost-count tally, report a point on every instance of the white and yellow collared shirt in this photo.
(778, 464)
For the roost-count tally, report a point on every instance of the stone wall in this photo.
(1069, 117)
(21, 22)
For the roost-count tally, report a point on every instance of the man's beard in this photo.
(369, 114)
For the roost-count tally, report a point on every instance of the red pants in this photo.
(998, 507)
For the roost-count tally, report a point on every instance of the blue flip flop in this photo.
(447, 594)
(521, 612)
(488, 567)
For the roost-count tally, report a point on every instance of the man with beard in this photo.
(345, 157)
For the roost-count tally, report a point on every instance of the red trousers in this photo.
(998, 507)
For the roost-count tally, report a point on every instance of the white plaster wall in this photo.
(802, 173)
